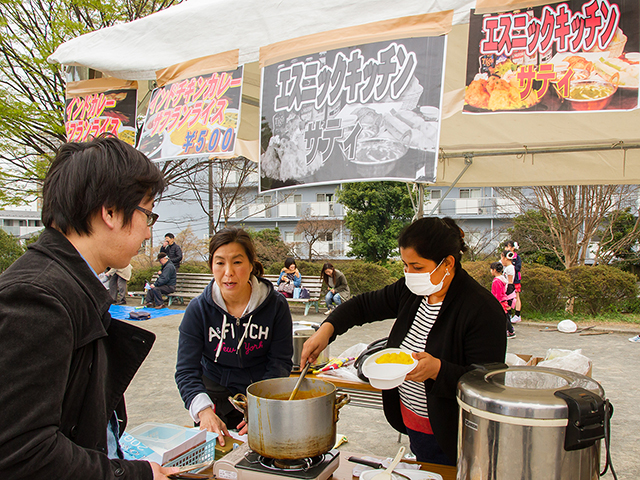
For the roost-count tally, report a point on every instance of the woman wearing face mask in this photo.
(444, 316)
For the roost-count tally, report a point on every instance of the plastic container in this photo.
(169, 441)
(386, 376)
(203, 453)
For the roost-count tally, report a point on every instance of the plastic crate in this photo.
(202, 453)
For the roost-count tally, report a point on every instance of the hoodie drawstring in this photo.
(246, 329)
(224, 327)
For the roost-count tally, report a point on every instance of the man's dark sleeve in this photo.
(177, 254)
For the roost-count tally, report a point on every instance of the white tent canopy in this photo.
(198, 28)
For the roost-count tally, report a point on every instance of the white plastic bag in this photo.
(348, 372)
(571, 360)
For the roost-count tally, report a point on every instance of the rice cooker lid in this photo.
(523, 392)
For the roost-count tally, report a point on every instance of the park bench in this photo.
(188, 285)
(313, 284)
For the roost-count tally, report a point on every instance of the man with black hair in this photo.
(172, 250)
(166, 283)
(65, 362)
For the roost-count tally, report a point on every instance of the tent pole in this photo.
(420, 208)
(468, 161)
(531, 151)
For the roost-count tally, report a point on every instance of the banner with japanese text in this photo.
(94, 107)
(193, 117)
(576, 55)
(366, 112)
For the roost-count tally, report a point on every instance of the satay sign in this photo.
(577, 55)
(364, 112)
(193, 117)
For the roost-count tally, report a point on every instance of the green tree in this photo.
(32, 90)
(619, 236)
(535, 240)
(10, 250)
(376, 214)
(270, 248)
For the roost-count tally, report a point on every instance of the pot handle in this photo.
(239, 402)
(341, 401)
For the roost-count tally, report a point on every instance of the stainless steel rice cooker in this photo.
(529, 423)
(301, 333)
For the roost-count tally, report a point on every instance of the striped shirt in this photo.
(412, 394)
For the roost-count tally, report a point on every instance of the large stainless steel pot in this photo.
(290, 429)
(301, 333)
(515, 424)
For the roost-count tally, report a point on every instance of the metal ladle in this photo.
(302, 374)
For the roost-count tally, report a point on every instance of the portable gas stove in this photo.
(245, 464)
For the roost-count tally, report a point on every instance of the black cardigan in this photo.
(470, 329)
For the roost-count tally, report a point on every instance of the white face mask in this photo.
(420, 283)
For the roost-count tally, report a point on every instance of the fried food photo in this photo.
(497, 93)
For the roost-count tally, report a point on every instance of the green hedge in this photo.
(480, 271)
(366, 277)
(361, 276)
(599, 289)
(544, 289)
(596, 290)
(139, 277)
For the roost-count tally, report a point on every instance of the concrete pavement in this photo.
(153, 396)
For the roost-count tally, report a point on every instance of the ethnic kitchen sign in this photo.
(571, 56)
(98, 106)
(358, 113)
(196, 116)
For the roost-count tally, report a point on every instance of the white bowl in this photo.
(412, 474)
(386, 376)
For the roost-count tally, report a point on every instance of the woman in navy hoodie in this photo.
(237, 332)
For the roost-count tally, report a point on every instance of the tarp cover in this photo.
(198, 28)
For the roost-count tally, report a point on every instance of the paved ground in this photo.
(153, 396)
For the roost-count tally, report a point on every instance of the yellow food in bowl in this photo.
(401, 357)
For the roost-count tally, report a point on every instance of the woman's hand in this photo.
(211, 422)
(242, 428)
(428, 367)
(313, 347)
(333, 290)
(160, 473)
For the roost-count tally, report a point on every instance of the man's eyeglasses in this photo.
(151, 217)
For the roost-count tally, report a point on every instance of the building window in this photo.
(324, 197)
(470, 193)
(434, 194)
(7, 222)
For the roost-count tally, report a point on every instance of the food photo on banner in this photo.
(93, 107)
(580, 55)
(366, 112)
(194, 116)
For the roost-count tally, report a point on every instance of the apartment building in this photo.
(20, 223)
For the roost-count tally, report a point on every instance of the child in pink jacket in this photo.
(499, 290)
